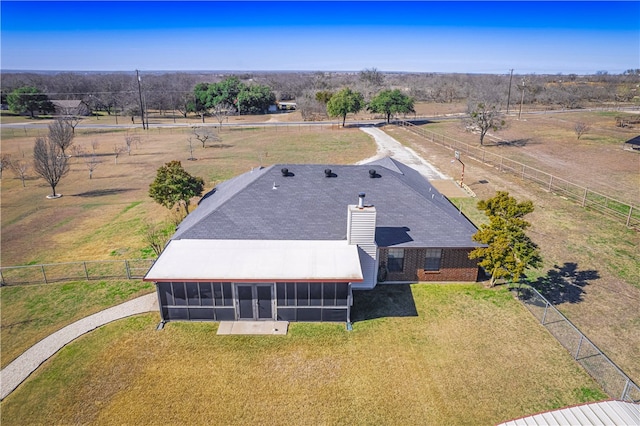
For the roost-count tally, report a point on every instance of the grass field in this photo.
(103, 218)
(31, 313)
(420, 354)
(590, 258)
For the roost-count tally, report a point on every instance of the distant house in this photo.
(291, 242)
(72, 107)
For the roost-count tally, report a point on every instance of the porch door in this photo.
(255, 301)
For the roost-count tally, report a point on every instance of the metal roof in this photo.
(257, 261)
(614, 413)
(263, 204)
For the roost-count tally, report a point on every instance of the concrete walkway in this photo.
(18, 370)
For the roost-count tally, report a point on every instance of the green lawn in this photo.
(30, 313)
(420, 354)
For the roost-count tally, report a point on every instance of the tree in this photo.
(61, 133)
(581, 128)
(29, 99)
(344, 102)
(50, 162)
(91, 161)
(391, 102)
(203, 134)
(323, 96)
(117, 150)
(509, 251)
(5, 161)
(157, 235)
(174, 185)
(130, 140)
(221, 112)
(255, 99)
(485, 117)
(21, 169)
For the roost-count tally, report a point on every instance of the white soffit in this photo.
(257, 260)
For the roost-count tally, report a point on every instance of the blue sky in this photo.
(545, 37)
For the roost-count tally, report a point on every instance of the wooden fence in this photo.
(619, 210)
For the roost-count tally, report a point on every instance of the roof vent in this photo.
(373, 174)
(361, 200)
(285, 172)
(328, 173)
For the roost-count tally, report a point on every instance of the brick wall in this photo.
(455, 266)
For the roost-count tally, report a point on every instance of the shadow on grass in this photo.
(102, 192)
(386, 300)
(564, 283)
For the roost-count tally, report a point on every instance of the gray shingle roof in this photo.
(308, 205)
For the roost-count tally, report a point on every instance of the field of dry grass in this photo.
(421, 354)
(591, 263)
(103, 218)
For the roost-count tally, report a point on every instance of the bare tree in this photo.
(5, 161)
(50, 162)
(221, 111)
(191, 157)
(581, 128)
(117, 150)
(204, 134)
(157, 235)
(94, 145)
(484, 117)
(130, 140)
(21, 169)
(72, 121)
(91, 161)
(61, 134)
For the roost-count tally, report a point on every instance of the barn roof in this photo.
(263, 204)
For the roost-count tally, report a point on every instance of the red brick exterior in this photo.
(455, 265)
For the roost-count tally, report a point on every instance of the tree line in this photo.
(179, 93)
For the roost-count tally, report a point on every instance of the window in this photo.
(432, 260)
(395, 260)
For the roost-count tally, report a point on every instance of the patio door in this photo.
(254, 301)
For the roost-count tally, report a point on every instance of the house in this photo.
(291, 242)
(71, 107)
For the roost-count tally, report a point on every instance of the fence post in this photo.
(43, 274)
(544, 315)
(629, 217)
(584, 197)
(579, 346)
(126, 267)
(86, 272)
(523, 166)
(550, 183)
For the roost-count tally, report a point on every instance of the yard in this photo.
(420, 354)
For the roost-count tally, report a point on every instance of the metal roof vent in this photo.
(361, 200)
(285, 172)
(328, 173)
(373, 174)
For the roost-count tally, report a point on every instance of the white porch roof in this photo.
(257, 261)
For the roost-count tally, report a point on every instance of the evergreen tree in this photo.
(509, 251)
(391, 102)
(174, 185)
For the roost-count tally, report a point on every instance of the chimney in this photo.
(361, 231)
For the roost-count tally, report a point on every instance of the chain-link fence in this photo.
(621, 211)
(75, 271)
(612, 379)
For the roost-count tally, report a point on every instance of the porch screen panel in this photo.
(311, 302)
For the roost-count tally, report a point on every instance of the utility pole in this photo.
(521, 100)
(141, 104)
(509, 95)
